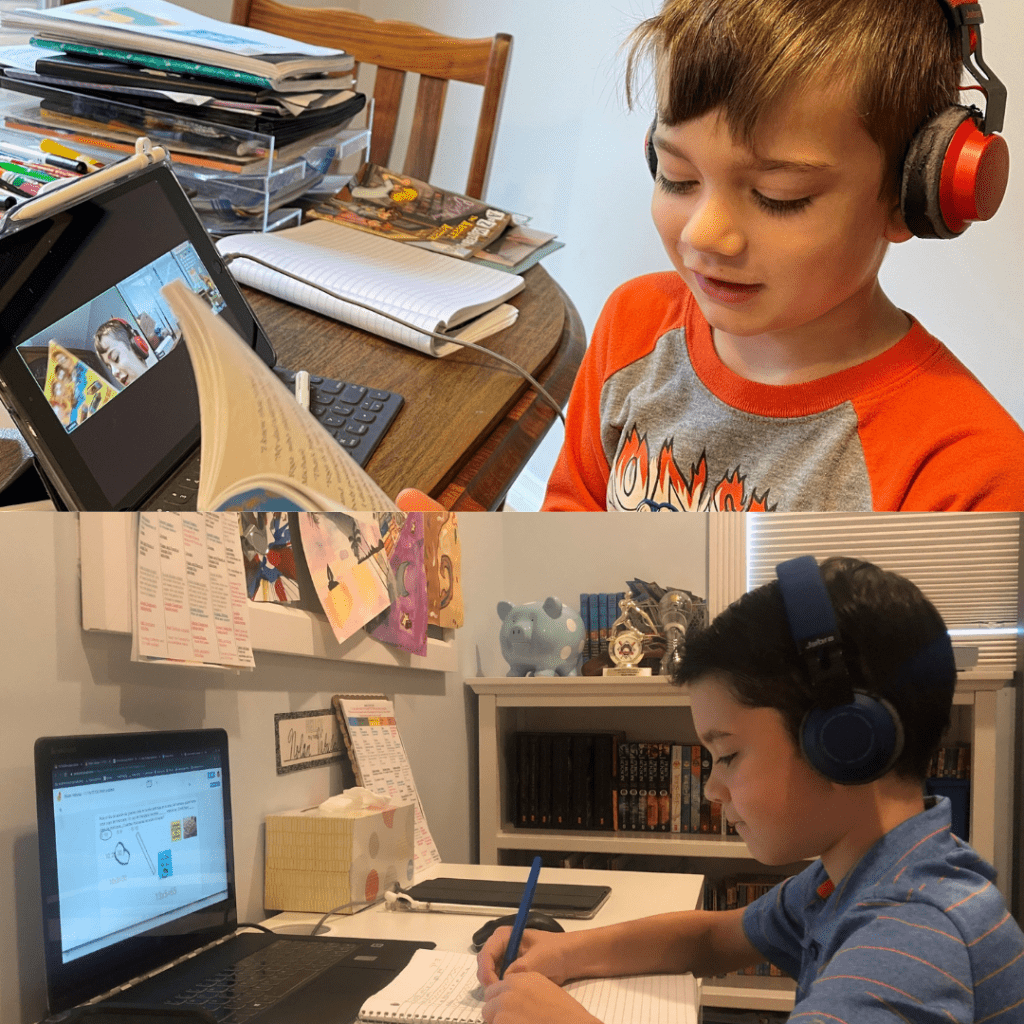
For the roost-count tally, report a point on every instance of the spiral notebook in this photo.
(441, 987)
(426, 290)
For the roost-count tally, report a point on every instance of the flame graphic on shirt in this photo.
(644, 483)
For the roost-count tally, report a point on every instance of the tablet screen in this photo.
(87, 359)
(91, 357)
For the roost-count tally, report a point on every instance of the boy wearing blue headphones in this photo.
(822, 697)
(794, 141)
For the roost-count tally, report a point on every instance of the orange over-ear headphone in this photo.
(956, 167)
(136, 341)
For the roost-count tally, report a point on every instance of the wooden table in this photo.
(469, 424)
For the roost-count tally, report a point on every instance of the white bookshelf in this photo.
(652, 708)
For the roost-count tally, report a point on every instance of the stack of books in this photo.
(228, 102)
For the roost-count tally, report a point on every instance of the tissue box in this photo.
(317, 862)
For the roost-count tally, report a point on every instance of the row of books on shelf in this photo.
(951, 762)
(604, 782)
(598, 612)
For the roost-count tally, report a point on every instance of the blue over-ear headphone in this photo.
(849, 736)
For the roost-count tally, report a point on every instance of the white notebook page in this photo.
(439, 986)
(432, 291)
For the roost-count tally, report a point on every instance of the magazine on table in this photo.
(383, 202)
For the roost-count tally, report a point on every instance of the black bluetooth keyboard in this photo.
(358, 416)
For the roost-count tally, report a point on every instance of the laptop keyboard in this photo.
(249, 986)
(356, 415)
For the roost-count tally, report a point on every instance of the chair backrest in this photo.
(397, 48)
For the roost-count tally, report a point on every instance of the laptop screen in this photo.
(140, 842)
(136, 865)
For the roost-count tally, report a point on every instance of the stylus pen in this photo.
(302, 388)
(512, 950)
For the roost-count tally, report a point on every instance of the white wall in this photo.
(55, 679)
(568, 153)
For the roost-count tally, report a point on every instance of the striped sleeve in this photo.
(906, 962)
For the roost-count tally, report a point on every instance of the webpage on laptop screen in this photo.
(139, 844)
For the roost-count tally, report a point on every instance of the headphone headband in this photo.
(812, 622)
(966, 18)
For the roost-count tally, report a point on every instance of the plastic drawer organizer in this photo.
(237, 180)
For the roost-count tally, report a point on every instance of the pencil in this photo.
(512, 950)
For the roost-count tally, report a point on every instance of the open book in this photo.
(425, 289)
(441, 987)
(261, 449)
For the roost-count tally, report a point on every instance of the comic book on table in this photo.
(391, 205)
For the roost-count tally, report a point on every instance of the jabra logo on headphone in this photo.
(819, 642)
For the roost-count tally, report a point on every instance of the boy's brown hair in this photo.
(901, 58)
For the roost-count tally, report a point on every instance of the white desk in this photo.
(634, 894)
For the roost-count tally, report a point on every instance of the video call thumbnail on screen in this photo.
(86, 359)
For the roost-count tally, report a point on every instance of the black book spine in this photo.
(604, 753)
(622, 781)
(520, 782)
(544, 780)
(582, 780)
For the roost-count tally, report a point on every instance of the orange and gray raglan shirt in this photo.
(657, 421)
(915, 931)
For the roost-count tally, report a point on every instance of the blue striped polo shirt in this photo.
(915, 932)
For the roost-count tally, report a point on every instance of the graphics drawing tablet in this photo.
(558, 900)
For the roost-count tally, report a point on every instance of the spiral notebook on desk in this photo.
(425, 289)
(438, 987)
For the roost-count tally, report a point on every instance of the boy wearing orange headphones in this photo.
(125, 353)
(794, 141)
(822, 697)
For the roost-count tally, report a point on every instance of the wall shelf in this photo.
(106, 557)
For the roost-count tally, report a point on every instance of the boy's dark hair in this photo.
(884, 620)
(900, 57)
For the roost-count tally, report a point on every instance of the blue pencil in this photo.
(512, 950)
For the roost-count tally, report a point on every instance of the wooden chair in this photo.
(397, 48)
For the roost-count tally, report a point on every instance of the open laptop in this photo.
(137, 873)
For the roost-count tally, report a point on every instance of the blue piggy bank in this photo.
(541, 638)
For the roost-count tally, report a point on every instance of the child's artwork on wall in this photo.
(349, 567)
(270, 573)
(443, 557)
(405, 623)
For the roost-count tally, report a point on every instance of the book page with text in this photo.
(255, 436)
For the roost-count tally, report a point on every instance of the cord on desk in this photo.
(345, 906)
(230, 258)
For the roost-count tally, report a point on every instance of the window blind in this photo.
(968, 565)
